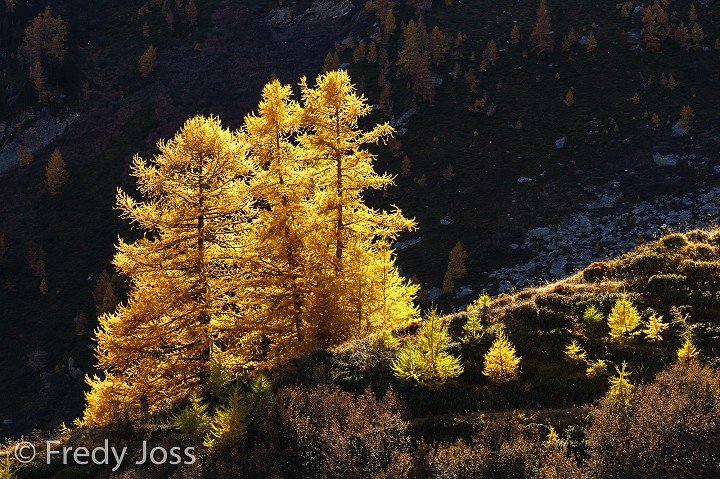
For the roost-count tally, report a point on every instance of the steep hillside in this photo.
(484, 168)
(343, 410)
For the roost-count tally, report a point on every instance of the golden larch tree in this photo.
(697, 35)
(191, 13)
(515, 34)
(156, 347)
(501, 363)
(686, 115)
(55, 173)
(570, 97)
(424, 360)
(457, 267)
(364, 290)
(654, 329)
(623, 320)
(439, 45)
(592, 42)
(147, 62)
(43, 48)
(372, 55)
(492, 52)
(332, 62)
(540, 37)
(360, 52)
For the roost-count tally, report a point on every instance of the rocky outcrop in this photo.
(607, 227)
(33, 130)
(319, 10)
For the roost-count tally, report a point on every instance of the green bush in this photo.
(669, 288)
(194, 420)
(674, 241)
(595, 272)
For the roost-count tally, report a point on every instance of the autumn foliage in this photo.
(259, 246)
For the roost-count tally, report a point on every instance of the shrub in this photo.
(423, 358)
(622, 320)
(596, 271)
(674, 241)
(669, 288)
(228, 424)
(472, 330)
(194, 420)
(668, 431)
(329, 433)
(592, 316)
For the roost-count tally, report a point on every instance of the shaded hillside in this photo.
(342, 410)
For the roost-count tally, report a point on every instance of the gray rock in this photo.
(637, 10)
(584, 40)
(344, 66)
(524, 179)
(464, 291)
(557, 270)
(445, 221)
(328, 9)
(504, 286)
(7, 422)
(539, 232)
(405, 118)
(407, 243)
(401, 132)
(560, 143)
(678, 130)
(665, 159)
(514, 246)
(434, 294)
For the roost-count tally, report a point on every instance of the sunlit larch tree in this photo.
(351, 236)
(154, 348)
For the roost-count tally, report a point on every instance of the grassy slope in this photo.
(680, 270)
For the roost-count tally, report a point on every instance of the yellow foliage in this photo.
(596, 369)
(620, 387)
(575, 353)
(147, 62)
(502, 365)
(456, 267)
(655, 327)
(55, 173)
(261, 246)
(623, 320)
(688, 352)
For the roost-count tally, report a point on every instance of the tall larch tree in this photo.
(147, 62)
(43, 49)
(158, 346)
(280, 265)
(439, 45)
(55, 173)
(351, 237)
(416, 63)
(540, 37)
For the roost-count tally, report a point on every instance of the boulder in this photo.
(679, 130)
(434, 294)
(560, 143)
(665, 159)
